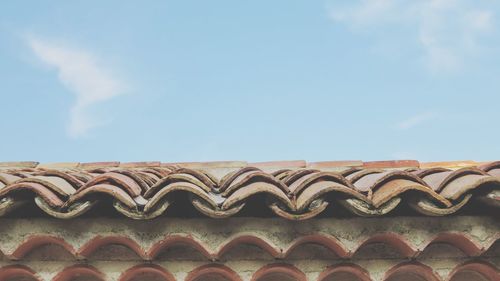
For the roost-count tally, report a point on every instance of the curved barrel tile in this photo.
(146, 190)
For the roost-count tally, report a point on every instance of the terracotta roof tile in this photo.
(280, 164)
(291, 189)
(20, 164)
(449, 164)
(79, 271)
(273, 166)
(270, 271)
(58, 165)
(209, 270)
(275, 270)
(19, 272)
(352, 269)
(392, 164)
(94, 165)
(140, 164)
(424, 272)
(81, 242)
(150, 246)
(146, 270)
(208, 165)
(334, 164)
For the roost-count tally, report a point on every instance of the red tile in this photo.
(392, 164)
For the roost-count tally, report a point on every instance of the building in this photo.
(238, 221)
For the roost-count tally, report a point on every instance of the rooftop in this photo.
(293, 190)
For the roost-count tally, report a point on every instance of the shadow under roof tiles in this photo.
(290, 189)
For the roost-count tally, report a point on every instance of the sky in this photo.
(177, 81)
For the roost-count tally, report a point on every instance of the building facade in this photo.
(273, 221)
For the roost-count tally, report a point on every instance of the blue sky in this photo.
(254, 80)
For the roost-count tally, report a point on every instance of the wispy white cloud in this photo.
(80, 72)
(415, 120)
(447, 31)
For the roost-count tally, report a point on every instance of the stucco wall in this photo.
(377, 247)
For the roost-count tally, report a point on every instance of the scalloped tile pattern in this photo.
(294, 190)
